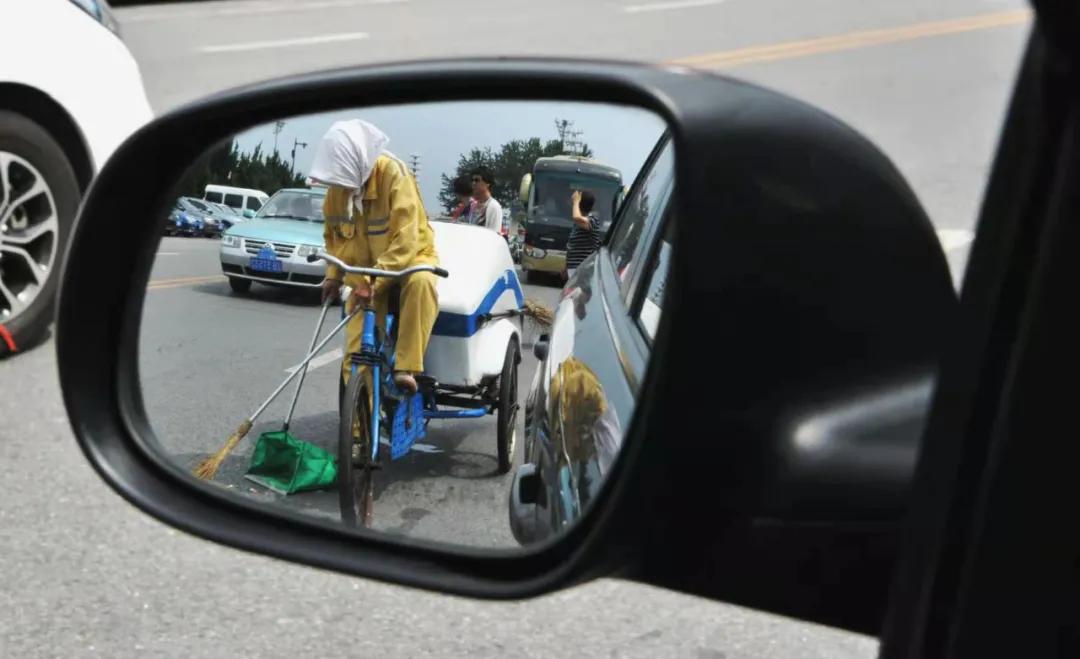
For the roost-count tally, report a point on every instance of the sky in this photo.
(621, 136)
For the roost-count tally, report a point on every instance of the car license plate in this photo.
(265, 265)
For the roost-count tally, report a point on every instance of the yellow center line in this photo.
(159, 284)
(854, 40)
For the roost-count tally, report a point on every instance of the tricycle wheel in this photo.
(508, 406)
(356, 482)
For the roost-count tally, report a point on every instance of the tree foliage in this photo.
(226, 165)
(508, 164)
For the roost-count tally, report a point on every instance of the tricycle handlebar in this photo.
(375, 272)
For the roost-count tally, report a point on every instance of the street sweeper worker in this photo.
(375, 218)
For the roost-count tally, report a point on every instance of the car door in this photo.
(597, 355)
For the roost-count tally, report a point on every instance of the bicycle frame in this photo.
(373, 355)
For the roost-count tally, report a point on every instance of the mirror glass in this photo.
(509, 260)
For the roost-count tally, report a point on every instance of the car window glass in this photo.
(648, 313)
(214, 197)
(199, 205)
(640, 210)
(234, 200)
(253, 203)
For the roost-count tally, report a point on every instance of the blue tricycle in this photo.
(462, 380)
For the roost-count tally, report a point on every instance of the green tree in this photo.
(512, 161)
(226, 165)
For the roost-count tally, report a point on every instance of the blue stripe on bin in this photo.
(462, 325)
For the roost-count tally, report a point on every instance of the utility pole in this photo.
(569, 137)
(296, 143)
(414, 164)
(278, 126)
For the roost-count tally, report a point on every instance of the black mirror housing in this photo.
(805, 278)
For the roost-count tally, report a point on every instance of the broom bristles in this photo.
(539, 312)
(208, 468)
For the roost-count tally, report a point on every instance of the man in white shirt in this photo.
(486, 210)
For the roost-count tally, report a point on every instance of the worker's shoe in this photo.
(405, 382)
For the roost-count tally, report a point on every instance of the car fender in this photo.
(100, 89)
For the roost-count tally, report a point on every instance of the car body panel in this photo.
(98, 85)
(596, 355)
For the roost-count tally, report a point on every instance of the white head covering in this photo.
(347, 153)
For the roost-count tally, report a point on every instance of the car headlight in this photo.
(535, 252)
(100, 11)
(230, 241)
(307, 250)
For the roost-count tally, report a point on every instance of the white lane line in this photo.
(284, 43)
(331, 357)
(168, 253)
(215, 9)
(954, 239)
(668, 6)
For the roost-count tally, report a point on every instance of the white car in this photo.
(70, 93)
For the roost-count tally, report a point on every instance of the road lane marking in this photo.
(284, 43)
(954, 239)
(151, 14)
(854, 40)
(159, 284)
(668, 6)
(331, 357)
(168, 254)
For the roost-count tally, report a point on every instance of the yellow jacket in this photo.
(391, 230)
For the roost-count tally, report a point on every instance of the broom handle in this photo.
(303, 374)
(303, 364)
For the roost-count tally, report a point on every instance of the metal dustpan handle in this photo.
(303, 371)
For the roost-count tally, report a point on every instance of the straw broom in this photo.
(539, 313)
(208, 468)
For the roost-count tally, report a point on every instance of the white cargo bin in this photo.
(463, 347)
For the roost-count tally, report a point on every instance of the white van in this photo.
(244, 200)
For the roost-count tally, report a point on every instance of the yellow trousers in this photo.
(418, 306)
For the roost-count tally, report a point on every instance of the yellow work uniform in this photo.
(390, 231)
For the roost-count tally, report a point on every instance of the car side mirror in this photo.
(540, 348)
(248, 213)
(525, 188)
(807, 398)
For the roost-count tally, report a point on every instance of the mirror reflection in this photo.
(426, 320)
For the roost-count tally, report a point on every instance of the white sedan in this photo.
(70, 93)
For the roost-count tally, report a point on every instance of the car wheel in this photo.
(239, 285)
(39, 195)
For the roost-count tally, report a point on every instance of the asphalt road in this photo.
(85, 574)
(209, 357)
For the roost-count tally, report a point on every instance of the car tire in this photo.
(239, 285)
(29, 156)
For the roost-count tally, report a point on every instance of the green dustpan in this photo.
(288, 465)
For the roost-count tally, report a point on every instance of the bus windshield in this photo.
(553, 196)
